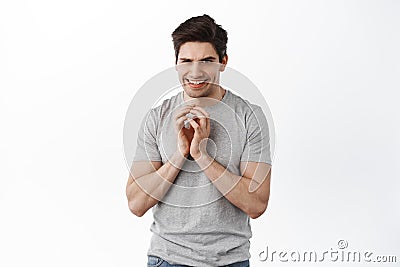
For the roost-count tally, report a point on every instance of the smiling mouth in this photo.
(196, 83)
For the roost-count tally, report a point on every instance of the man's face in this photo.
(199, 69)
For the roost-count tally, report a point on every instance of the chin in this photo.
(194, 93)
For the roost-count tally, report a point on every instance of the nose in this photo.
(195, 70)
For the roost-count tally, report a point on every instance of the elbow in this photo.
(257, 210)
(136, 209)
(135, 204)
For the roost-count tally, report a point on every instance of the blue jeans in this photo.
(154, 261)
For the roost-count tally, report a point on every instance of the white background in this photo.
(329, 71)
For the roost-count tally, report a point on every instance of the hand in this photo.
(185, 136)
(201, 126)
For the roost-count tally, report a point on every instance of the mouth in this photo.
(196, 84)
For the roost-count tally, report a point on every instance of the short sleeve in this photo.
(147, 148)
(257, 146)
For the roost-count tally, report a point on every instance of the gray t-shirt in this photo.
(195, 224)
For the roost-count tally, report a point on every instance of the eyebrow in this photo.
(203, 59)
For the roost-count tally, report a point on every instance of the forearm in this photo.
(145, 191)
(235, 188)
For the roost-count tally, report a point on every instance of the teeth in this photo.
(196, 82)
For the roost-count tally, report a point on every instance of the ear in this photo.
(223, 63)
(176, 64)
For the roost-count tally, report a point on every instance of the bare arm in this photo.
(149, 181)
(249, 192)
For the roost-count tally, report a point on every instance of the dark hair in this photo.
(200, 29)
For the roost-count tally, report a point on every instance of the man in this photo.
(202, 161)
